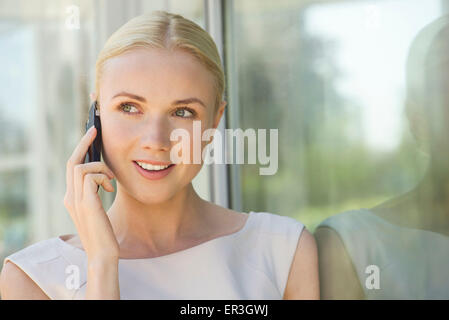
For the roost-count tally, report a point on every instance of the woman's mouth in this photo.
(153, 172)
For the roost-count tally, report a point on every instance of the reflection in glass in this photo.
(405, 238)
(331, 79)
(330, 75)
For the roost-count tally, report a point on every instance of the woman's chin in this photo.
(156, 197)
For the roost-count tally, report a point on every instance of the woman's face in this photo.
(139, 129)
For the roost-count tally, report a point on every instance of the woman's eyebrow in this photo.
(130, 95)
(142, 99)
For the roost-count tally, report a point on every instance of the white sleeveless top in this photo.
(413, 263)
(252, 263)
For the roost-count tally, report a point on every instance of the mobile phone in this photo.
(94, 151)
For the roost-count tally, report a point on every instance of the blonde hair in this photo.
(163, 30)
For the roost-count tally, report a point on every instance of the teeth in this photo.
(148, 166)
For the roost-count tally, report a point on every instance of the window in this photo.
(49, 50)
(329, 75)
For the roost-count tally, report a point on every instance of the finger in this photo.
(97, 167)
(81, 170)
(78, 178)
(78, 157)
(72, 195)
(93, 180)
(80, 151)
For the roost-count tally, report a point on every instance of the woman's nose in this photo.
(155, 134)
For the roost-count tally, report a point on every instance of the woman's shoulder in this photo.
(20, 276)
(276, 224)
(349, 221)
(269, 222)
(49, 263)
(266, 233)
(271, 244)
(37, 252)
(16, 284)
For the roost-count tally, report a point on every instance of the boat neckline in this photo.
(227, 236)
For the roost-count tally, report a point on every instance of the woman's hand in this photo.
(84, 204)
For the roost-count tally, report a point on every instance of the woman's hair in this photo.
(426, 76)
(163, 30)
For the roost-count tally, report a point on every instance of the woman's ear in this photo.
(219, 114)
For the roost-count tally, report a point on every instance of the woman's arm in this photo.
(91, 220)
(102, 280)
(303, 280)
(338, 278)
(17, 285)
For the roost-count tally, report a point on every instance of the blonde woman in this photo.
(159, 240)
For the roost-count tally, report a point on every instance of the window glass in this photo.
(331, 78)
(358, 93)
(49, 49)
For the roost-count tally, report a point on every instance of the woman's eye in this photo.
(126, 107)
(182, 113)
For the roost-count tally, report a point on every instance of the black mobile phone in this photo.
(94, 152)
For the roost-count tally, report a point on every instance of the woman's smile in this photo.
(153, 172)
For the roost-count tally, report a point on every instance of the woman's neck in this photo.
(156, 228)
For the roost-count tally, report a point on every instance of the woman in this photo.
(159, 239)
